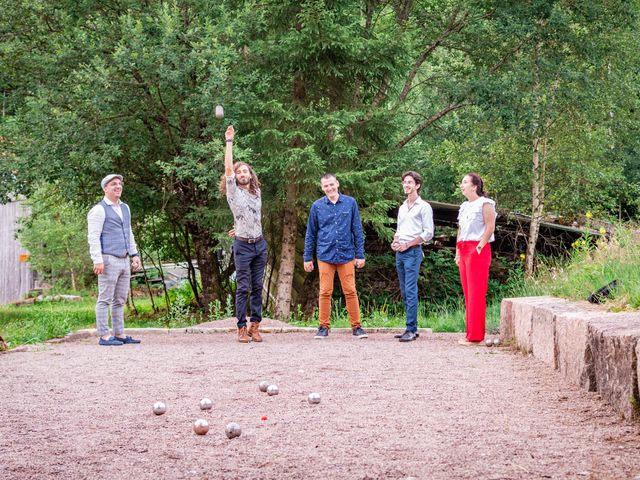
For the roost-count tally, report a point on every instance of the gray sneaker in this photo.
(322, 333)
(359, 333)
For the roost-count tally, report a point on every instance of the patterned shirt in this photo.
(334, 231)
(246, 209)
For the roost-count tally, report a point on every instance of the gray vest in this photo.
(114, 238)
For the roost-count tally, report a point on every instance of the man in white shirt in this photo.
(112, 248)
(415, 227)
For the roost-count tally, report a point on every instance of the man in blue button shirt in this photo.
(334, 235)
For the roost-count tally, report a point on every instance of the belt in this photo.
(249, 240)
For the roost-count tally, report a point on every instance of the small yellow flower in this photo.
(522, 256)
(602, 230)
(589, 215)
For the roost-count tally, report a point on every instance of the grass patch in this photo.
(592, 265)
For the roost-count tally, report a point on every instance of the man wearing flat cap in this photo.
(113, 252)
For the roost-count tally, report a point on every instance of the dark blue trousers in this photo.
(250, 260)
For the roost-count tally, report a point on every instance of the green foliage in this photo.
(55, 234)
(593, 265)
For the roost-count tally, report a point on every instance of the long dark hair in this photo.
(477, 181)
(254, 183)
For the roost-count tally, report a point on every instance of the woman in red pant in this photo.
(476, 223)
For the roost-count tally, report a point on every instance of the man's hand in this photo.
(98, 268)
(457, 259)
(230, 133)
(359, 262)
(395, 246)
(308, 266)
(136, 264)
(232, 233)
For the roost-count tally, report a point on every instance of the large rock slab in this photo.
(614, 341)
(574, 357)
(543, 329)
(522, 319)
(592, 348)
(506, 321)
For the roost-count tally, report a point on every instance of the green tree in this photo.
(55, 234)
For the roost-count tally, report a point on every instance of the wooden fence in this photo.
(16, 277)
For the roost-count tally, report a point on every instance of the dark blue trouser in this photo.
(250, 260)
(408, 267)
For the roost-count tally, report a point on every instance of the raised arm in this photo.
(228, 152)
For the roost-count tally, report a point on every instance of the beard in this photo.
(243, 181)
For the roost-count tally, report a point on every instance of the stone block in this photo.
(574, 357)
(506, 320)
(614, 342)
(543, 329)
(522, 309)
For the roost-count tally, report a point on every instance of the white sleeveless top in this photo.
(471, 221)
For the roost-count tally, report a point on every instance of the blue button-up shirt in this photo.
(334, 231)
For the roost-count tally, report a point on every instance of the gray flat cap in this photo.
(108, 178)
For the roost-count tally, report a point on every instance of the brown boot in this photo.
(242, 335)
(254, 333)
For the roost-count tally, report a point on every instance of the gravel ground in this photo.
(429, 409)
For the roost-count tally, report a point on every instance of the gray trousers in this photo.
(113, 288)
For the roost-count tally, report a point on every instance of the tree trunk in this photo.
(287, 254)
(537, 203)
(209, 268)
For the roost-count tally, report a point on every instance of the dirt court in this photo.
(429, 409)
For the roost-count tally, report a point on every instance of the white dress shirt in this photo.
(414, 222)
(95, 222)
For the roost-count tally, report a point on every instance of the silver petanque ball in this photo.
(219, 111)
(496, 342)
(272, 390)
(206, 404)
(314, 398)
(488, 342)
(201, 426)
(159, 408)
(233, 430)
(263, 386)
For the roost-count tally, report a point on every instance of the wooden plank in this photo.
(16, 277)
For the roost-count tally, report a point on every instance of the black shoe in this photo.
(360, 333)
(400, 334)
(408, 337)
(127, 339)
(109, 342)
(322, 333)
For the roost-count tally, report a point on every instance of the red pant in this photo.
(474, 275)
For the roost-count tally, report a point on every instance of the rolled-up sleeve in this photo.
(427, 223)
(95, 222)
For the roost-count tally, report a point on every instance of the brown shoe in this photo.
(254, 333)
(242, 335)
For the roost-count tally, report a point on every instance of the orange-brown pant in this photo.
(347, 275)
